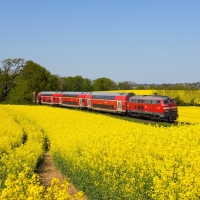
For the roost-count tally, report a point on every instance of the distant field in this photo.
(105, 157)
(138, 92)
(187, 96)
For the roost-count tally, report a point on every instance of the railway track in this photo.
(128, 118)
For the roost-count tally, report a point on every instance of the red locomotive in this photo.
(154, 107)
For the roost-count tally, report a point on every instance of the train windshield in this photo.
(169, 101)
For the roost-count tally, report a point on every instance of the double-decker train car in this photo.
(73, 99)
(48, 97)
(65, 99)
(108, 101)
(153, 107)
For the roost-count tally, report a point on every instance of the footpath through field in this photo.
(47, 172)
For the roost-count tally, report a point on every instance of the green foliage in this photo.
(77, 83)
(67, 83)
(87, 85)
(33, 78)
(104, 84)
(9, 73)
(179, 101)
(125, 85)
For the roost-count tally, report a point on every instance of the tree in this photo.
(9, 73)
(87, 85)
(59, 82)
(104, 84)
(33, 78)
(140, 87)
(54, 83)
(125, 85)
(67, 83)
(78, 83)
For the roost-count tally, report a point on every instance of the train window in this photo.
(158, 102)
(142, 101)
(166, 101)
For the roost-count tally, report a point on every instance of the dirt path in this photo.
(47, 172)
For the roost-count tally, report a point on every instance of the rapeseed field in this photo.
(183, 96)
(106, 158)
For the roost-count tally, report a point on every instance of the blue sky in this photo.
(142, 41)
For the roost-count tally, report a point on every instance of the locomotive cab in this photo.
(169, 109)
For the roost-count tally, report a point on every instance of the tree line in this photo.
(21, 80)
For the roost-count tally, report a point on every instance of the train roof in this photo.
(154, 97)
(111, 93)
(49, 92)
(74, 93)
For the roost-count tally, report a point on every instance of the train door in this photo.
(119, 105)
(60, 100)
(81, 102)
(88, 103)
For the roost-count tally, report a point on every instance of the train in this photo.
(153, 107)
